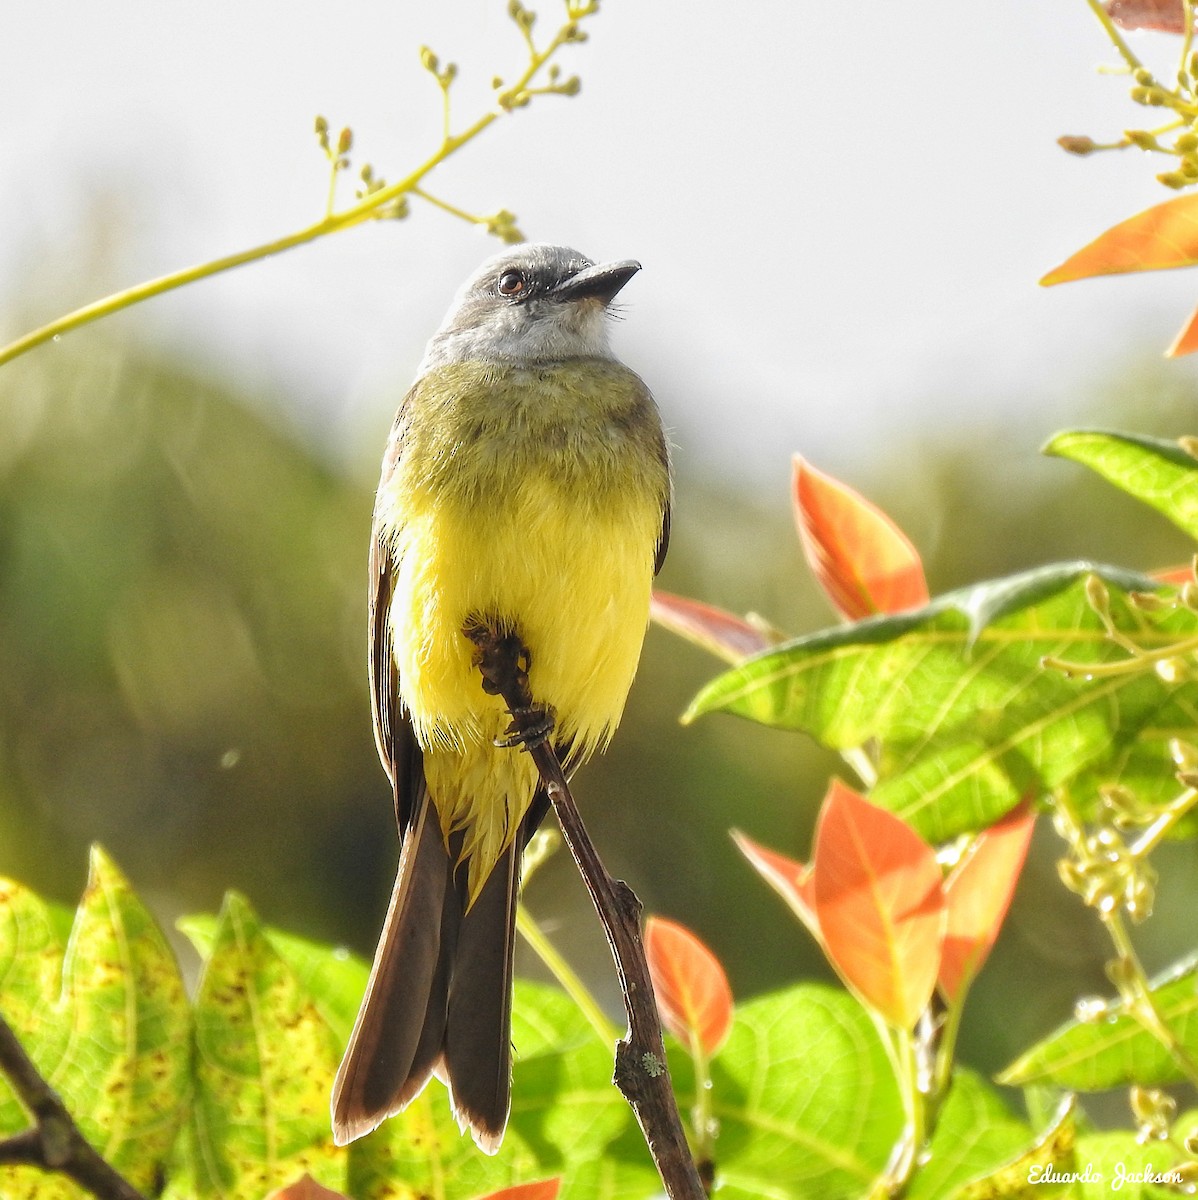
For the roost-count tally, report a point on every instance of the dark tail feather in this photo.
(440, 992)
(478, 1034)
(477, 1064)
(401, 1026)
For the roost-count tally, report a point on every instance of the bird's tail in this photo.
(439, 999)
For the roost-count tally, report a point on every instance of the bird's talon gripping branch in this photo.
(531, 726)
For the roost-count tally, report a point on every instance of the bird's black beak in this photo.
(596, 283)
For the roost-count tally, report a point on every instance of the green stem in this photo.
(1138, 659)
(1187, 41)
(1096, 7)
(331, 199)
(947, 1048)
(445, 206)
(1139, 1001)
(701, 1116)
(1154, 833)
(561, 970)
(904, 1060)
(366, 208)
(859, 760)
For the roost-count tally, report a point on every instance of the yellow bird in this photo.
(525, 487)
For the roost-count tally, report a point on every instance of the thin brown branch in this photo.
(53, 1142)
(641, 1071)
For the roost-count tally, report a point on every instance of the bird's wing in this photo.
(663, 540)
(393, 734)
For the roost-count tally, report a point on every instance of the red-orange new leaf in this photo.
(722, 633)
(1164, 16)
(790, 879)
(862, 559)
(978, 893)
(880, 905)
(1157, 239)
(692, 991)
(546, 1189)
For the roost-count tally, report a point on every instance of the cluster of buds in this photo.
(338, 155)
(503, 226)
(1179, 136)
(1154, 1112)
(1105, 871)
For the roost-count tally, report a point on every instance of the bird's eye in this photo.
(512, 284)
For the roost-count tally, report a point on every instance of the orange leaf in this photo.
(1175, 576)
(693, 995)
(305, 1188)
(724, 635)
(863, 561)
(790, 879)
(880, 904)
(546, 1189)
(1157, 239)
(1186, 342)
(978, 893)
(1164, 16)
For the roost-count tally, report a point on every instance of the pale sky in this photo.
(842, 210)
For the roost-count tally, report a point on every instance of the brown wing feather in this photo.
(393, 735)
(663, 540)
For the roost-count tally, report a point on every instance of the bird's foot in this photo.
(531, 726)
(503, 661)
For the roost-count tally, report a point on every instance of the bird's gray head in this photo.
(533, 303)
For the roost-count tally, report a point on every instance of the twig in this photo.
(641, 1072)
(54, 1142)
(373, 204)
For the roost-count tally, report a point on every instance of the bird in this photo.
(526, 489)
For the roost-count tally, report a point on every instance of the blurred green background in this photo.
(182, 673)
(842, 216)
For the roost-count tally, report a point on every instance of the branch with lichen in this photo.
(374, 198)
(1178, 135)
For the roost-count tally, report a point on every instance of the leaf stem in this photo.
(1112, 32)
(561, 970)
(1169, 816)
(904, 1060)
(452, 209)
(1138, 659)
(1187, 41)
(701, 1116)
(947, 1048)
(1138, 998)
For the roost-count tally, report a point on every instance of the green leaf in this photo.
(976, 1132)
(333, 978)
(1160, 473)
(805, 1098)
(567, 1118)
(565, 1111)
(954, 695)
(111, 1035)
(265, 1059)
(1116, 1051)
(1109, 1162)
(975, 1135)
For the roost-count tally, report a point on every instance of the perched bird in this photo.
(525, 489)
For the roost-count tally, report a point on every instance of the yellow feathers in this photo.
(532, 497)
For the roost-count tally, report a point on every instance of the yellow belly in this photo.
(572, 580)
